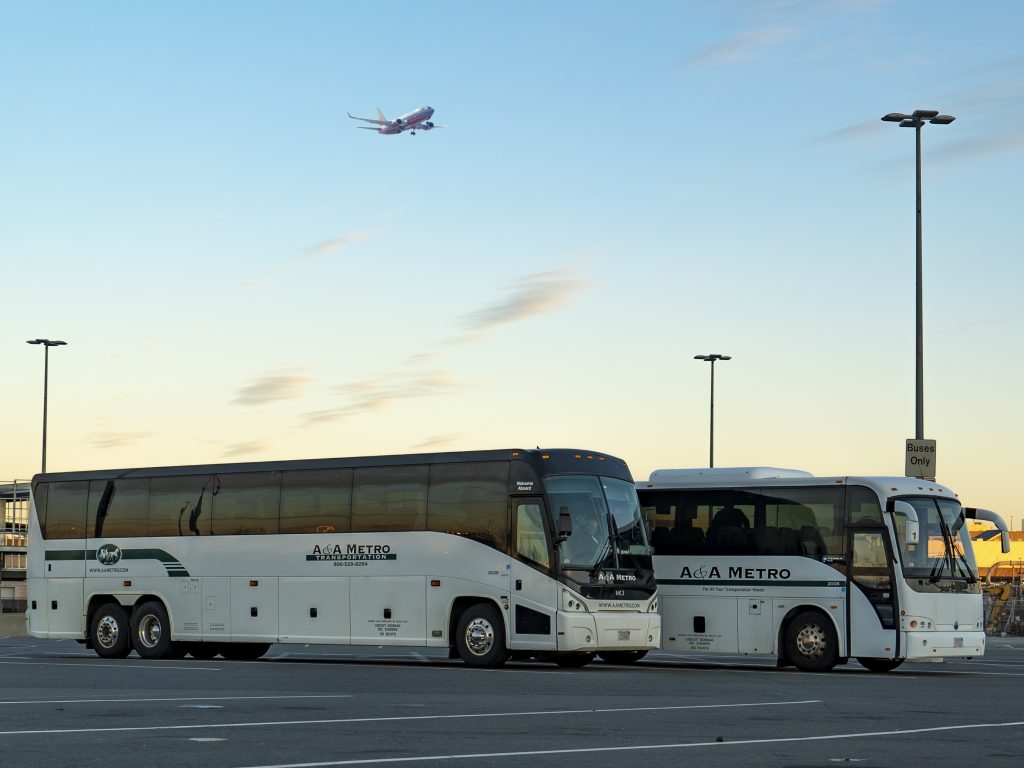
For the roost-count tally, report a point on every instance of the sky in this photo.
(241, 274)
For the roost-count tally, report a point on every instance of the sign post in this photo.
(920, 459)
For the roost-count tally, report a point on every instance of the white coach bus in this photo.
(473, 551)
(814, 570)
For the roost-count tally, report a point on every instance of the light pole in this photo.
(915, 120)
(47, 343)
(713, 358)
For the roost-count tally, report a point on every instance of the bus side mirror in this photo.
(974, 513)
(1004, 538)
(912, 532)
(564, 524)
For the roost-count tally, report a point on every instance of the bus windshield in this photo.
(943, 551)
(607, 526)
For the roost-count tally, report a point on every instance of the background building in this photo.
(13, 545)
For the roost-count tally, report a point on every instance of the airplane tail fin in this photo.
(380, 115)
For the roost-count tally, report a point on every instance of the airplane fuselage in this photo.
(417, 120)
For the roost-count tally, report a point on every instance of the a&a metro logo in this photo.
(735, 572)
(352, 552)
(108, 554)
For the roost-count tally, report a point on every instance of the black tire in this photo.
(151, 632)
(622, 657)
(879, 665)
(110, 631)
(573, 660)
(243, 651)
(202, 651)
(480, 636)
(811, 642)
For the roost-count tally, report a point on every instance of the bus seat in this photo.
(691, 541)
(661, 540)
(811, 542)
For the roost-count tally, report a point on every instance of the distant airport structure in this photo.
(13, 545)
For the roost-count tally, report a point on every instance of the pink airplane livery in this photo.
(417, 120)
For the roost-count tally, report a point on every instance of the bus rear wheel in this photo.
(110, 632)
(811, 642)
(243, 651)
(151, 632)
(480, 636)
(879, 665)
(622, 657)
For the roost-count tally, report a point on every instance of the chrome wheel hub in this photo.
(811, 641)
(149, 631)
(107, 631)
(479, 637)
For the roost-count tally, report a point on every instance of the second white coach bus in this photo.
(814, 570)
(488, 553)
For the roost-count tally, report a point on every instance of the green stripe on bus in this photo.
(730, 583)
(173, 567)
(66, 554)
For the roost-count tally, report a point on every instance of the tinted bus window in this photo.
(246, 503)
(389, 499)
(180, 506)
(316, 501)
(39, 494)
(802, 521)
(863, 506)
(118, 507)
(65, 510)
(470, 500)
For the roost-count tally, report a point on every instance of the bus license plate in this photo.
(624, 635)
(958, 642)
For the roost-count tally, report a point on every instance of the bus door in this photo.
(533, 590)
(871, 605)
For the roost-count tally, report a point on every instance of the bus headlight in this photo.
(917, 622)
(652, 607)
(573, 602)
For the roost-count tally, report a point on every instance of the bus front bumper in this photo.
(612, 631)
(935, 646)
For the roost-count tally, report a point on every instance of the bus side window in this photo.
(531, 541)
(65, 512)
(316, 501)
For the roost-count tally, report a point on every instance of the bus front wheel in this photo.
(480, 636)
(110, 632)
(811, 642)
(151, 632)
(879, 665)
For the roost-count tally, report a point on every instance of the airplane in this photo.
(417, 120)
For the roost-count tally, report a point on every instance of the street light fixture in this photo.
(47, 343)
(915, 120)
(713, 358)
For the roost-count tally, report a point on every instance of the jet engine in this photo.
(426, 126)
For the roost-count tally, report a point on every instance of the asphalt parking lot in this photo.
(335, 705)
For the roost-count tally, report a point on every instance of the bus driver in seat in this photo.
(585, 543)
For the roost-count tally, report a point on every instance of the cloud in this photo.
(245, 449)
(532, 295)
(118, 439)
(334, 245)
(743, 46)
(255, 282)
(280, 386)
(380, 392)
(435, 441)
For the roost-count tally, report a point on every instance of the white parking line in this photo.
(181, 698)
(591, 750)
(335, 721)
(127, 664)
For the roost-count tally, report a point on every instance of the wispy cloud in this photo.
(280, 386)
(255, 282)
(530, 296)
(335, 244)
(245, 449)
(380, 392)
(118, 439)
(436, 441)
(743, 46)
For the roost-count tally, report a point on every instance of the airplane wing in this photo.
(365, 127)
(368, 120)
